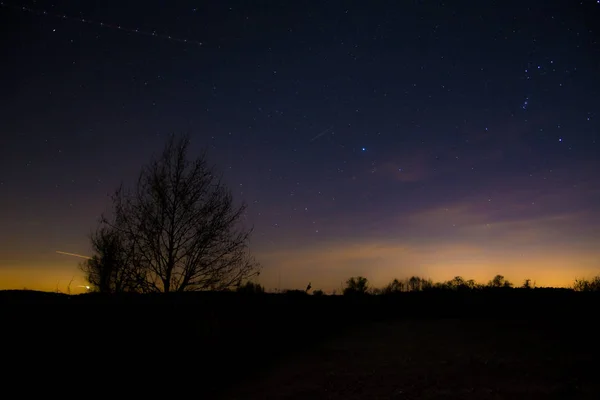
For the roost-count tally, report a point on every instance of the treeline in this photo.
(359, 285)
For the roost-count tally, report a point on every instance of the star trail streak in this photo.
(101, 24)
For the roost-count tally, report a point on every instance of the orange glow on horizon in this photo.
(437, 244)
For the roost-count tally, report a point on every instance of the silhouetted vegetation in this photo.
(259, 331)
(499, 282)
(393, 287)
(176, 230)
(527, 284)
(357, 285)
(583, 285)
(111, 269)
(251, 287)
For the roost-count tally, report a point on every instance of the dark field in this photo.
(531, 344)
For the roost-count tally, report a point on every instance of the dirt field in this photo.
(441, 359)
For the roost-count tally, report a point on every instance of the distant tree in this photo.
(426, 284)
(471, 284)
(526, 284)
(457, 283)
(584, 285)
(417, 284)
(393, 287)
(318, 292)
(441, 286)
(251, 287)
(414, 284)
(499, 282)
(181, 225)
(356, 285)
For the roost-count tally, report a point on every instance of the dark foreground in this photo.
(440, 359)
(496, 345)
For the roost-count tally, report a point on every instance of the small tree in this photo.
(414, 284)
(394, 286)
(584, 285)
(356, 285)
(110, 270)
(526, 284)
(417, 284)
(499, 282)
(471, 284)
(457, 283)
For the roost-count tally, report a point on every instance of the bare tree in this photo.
(181, 225)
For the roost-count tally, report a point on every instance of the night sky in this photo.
(385, 140)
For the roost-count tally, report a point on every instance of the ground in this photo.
(440, 359)
(496, 344)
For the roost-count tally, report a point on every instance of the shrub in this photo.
(251, 287)
(583, 285)
(356, 285)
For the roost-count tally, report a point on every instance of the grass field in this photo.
(498, 345)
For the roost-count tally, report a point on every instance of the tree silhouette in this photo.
(584, 285)
(471, 284)
(356, 285)
(251, 288)
(417, 284)
(181, 226)
(457, 283)
(110, 269)
(499, 282)
(394, 286)
(414, 284)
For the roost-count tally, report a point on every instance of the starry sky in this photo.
(382, 139)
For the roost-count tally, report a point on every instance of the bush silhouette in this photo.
(251, 287)
(499, 282)
(357, 285)
(394, 286)
(527, 284)
(583, 285)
